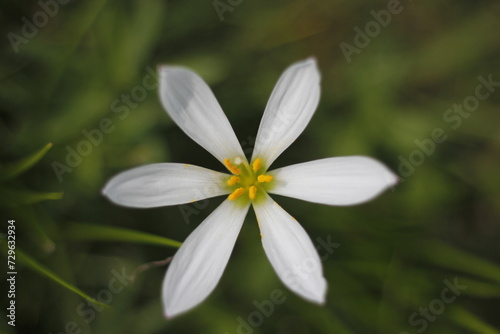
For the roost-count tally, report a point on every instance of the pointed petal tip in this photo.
(311, 61)
(166, 67)
(104, 194)
(170, 314)
(173, 310)
(392, 178)
(310, 64)
(316, 294)
(162, 69)
(321, 301)
(320, 297)
(105, 190)
(389, 178)
(317, 299)
(313, 64)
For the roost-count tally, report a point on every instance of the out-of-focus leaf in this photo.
(94, 232)
(12, 198)
(480, 289)
(35, 229)
(12, 170)
(447, 256)
(39, 268)
(465, 44)
(470, 321)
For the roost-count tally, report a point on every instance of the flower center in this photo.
(247, 179)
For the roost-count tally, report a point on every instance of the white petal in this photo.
(198, 265)
(164, 184)
(290, 251)
(192, 105)
(289, 110)
(334, 181)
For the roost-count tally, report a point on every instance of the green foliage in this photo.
(91, 232)
(396, 253)
(35, 266)
(14, 169)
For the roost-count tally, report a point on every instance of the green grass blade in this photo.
(472, 322)
(12, 198)
(447, 256)
(480, 289)
(94, 232)
(35, 266)
(12, 170)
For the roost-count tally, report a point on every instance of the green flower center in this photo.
(248, 182)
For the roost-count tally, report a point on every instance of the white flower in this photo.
(198, 265)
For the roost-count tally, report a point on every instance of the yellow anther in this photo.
(233, 180)
(232, 168)
(252, 191)
(256, 164)
(235, 194)
(264, 178)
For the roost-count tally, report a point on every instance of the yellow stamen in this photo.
(233, 169)
(252, 191)
(256, 164)
(233, 180)
(264, 178)
(235, 194)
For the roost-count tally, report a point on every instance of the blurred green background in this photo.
(87, 66)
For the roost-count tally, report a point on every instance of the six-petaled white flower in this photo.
(198, 265)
